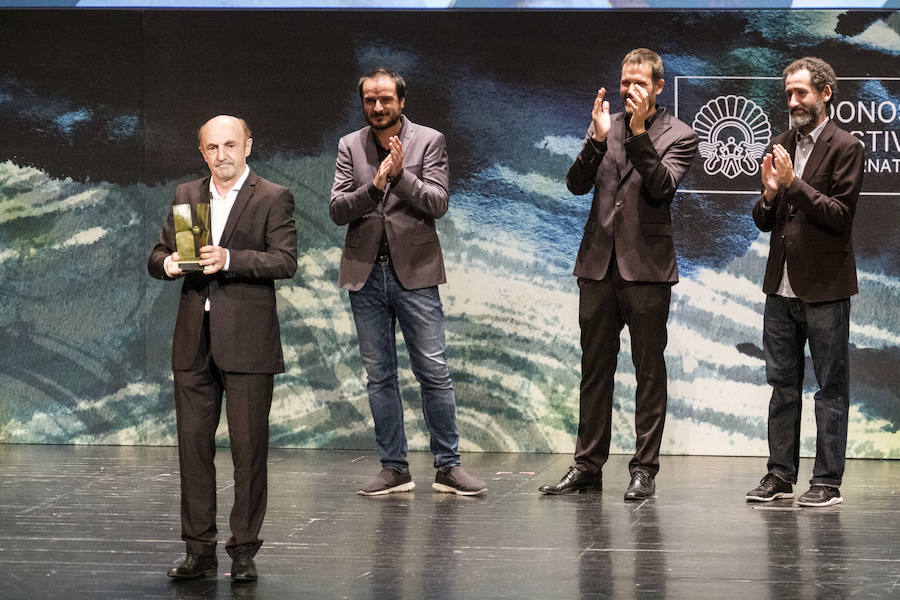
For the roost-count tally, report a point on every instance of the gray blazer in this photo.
(407, 213)
(634, 179)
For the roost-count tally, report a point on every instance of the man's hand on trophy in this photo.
(171, 265)
(212, 259)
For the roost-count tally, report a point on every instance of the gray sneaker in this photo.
(456, 481)
(389, 480)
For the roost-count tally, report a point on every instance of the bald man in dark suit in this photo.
(227, 339)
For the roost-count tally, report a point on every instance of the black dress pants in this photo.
(198, 404)
(605, 307)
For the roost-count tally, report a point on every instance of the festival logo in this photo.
(733, 132)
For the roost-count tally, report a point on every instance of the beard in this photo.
(808, 117)
(390, 122)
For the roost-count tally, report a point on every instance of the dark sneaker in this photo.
(388, 481)
(820, 495)
(641, 487)
(771, 487)
(456, 481)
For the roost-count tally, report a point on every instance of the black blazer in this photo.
(243, 322)
(812, 219)
(634, 181)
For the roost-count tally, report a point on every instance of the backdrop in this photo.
(99, 112)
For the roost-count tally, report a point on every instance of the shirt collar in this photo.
(815, 133)
(659, 110)
(234, 189)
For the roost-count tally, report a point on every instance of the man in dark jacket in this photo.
(811, 178)
(634, 161)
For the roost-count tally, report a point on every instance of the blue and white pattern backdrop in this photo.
(99, 111)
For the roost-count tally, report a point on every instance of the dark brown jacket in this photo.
(243, 321)
(811, 220)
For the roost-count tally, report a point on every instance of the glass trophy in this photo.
(190, 236)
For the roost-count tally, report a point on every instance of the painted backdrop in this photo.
(98, 114)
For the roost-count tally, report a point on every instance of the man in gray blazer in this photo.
(391, 183)
(634, 161)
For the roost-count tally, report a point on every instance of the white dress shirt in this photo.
(219, 209)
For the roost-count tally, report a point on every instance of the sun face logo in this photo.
(733, 134)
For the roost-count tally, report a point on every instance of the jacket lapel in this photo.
(660, 126)
(789, 143)
(240, 203)
(616, 145)
(406, 135)
(818, 151)
(371, 154)
(203, 196)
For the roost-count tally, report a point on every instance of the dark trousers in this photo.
(198, 404)
(604, 308)
(788, 324)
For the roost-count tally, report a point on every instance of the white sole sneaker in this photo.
(831, 502)
(440, 487)
(403, 487)
(775, 496)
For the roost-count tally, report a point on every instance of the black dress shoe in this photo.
(574, 482)
(243, 568)
(195, 565)
(641, 487)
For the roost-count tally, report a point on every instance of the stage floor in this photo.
(102, 523)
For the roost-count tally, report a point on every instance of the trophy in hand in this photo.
(190, 236)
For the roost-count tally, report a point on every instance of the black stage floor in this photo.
(102, 523)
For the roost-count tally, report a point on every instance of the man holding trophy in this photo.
(229, 237)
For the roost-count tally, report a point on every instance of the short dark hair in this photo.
(384, 72)
(645, 56)
(820, 73)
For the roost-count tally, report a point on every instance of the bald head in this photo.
(225, 118)
(225, 145)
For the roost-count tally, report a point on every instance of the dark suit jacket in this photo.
(634, 180)
(413, 203)
(243, 322)
(811, 220)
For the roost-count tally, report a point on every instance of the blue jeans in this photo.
(377, 308)
(788, 324)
